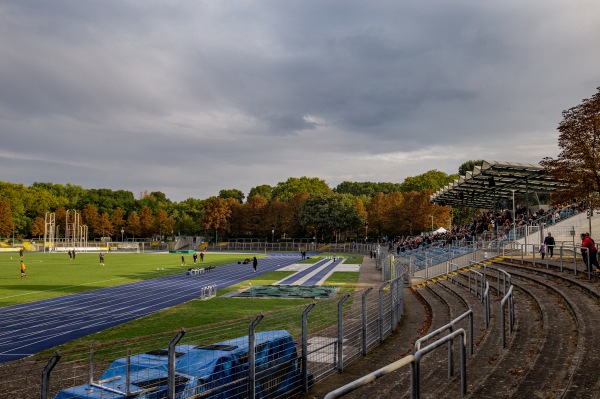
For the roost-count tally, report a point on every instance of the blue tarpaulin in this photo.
(219, 370)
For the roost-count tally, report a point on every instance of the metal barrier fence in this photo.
(507, 299)
(567, 254)
(327, 335)
(414, 361)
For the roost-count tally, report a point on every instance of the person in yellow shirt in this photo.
(23, 275)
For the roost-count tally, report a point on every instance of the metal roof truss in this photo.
(494, 181)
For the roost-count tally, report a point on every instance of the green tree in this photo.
(330, 214)
(367, 189)
(469, 166)
(263, 190)
(578, 163)
(154, 200)
(431, 180)
(293, 186)
(188, 215)
(232, 193)
(17, 197)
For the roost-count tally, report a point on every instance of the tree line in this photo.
(298, 207)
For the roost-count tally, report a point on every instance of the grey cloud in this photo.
(194, 96)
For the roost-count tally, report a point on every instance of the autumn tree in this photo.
(278, 216)
(6, 221)
(578, 163)
(160, 217)
(146, 221)
(133, 224)
(89, 217)
(60, 218)
(105, 227)
(253, 219)
(117, 219)
(291, 221)
(216, 215)
(38, 227)
(163, 223)
(377, 213)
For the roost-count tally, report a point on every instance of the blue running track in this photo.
(318, 276)
(291, 280)
(30, 328)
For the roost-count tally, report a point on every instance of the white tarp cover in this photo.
(441, 230)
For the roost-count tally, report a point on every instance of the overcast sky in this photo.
(191, 97)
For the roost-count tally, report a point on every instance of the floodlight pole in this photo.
(122, 232)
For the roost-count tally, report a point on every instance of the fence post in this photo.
(252, 357)
(381, 310)
(393, 302)
(401, 298)
(171, 364)
(364, 320)
(305, 347)
(46, 375)
(128, 373)
(340, 343)
(91, 376)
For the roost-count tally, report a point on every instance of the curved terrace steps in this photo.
(582, 297)
(550, 353)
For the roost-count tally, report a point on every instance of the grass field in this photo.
(201, 313)
(52, 275)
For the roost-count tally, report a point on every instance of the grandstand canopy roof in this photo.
(494, 181)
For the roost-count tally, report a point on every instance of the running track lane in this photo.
(30, 328)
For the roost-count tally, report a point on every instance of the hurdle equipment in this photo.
(210, 291)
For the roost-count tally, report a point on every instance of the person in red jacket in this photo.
(588, 246)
